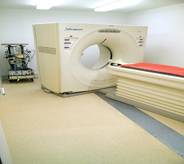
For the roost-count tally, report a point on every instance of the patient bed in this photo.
(153, 87)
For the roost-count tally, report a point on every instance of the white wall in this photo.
(165, 41)
(16, 26)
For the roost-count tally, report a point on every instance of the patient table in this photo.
(153, 87)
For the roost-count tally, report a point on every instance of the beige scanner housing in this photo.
(59, 48)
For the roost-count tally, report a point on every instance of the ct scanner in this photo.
(59, 48)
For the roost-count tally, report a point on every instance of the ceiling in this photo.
(86, 5)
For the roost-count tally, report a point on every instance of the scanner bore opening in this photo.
(96, 57)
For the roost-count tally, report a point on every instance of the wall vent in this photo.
(47, 50)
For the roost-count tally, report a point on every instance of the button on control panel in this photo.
(68, 42)
(140, 41)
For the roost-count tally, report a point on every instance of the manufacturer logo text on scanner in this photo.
(73, 29)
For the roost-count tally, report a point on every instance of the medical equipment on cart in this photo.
(18, 59)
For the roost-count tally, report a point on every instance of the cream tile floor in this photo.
(43, 128)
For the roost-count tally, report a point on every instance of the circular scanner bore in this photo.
(96, 56)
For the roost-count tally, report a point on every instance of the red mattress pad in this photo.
(172, 70)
